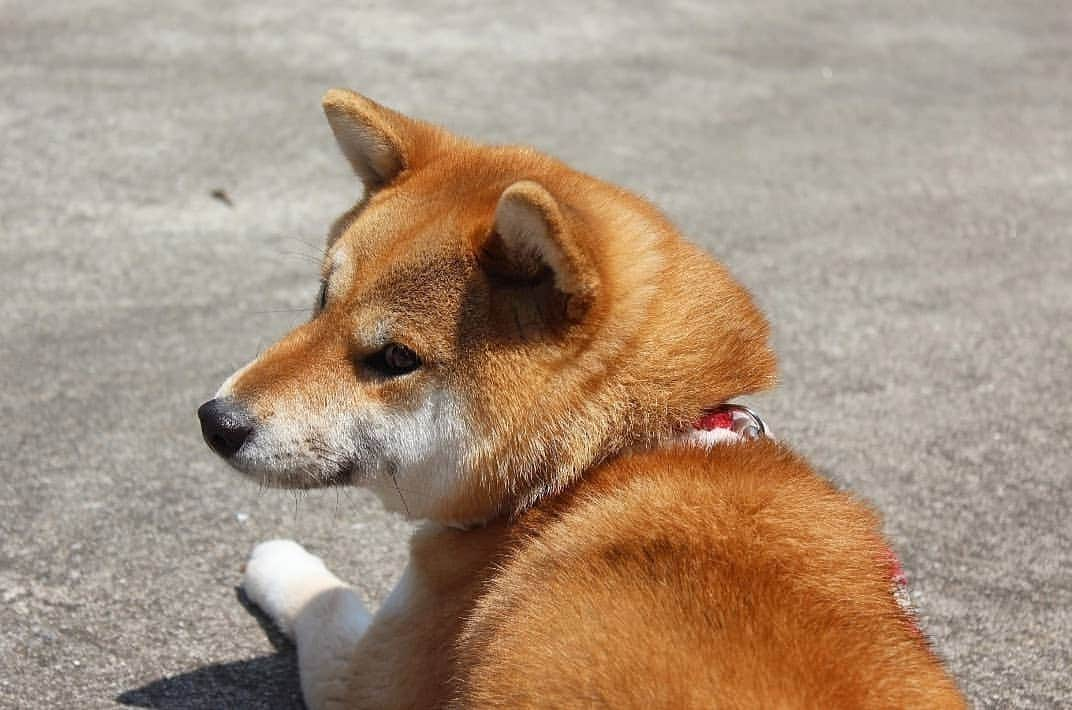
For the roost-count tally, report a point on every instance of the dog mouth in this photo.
(327, 467)
(342, 474)
(318, 468)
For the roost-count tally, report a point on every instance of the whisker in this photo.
(318, 247)
(517, 322)
(410, 491)
(307, 257)
(280, 310)
(400, 496)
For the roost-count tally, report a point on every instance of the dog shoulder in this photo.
(694, 578)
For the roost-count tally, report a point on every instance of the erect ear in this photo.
(373, 138)
(535, 238)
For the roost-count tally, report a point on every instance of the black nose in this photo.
(225, 425)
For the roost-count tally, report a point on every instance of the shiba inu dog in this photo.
(516, 353)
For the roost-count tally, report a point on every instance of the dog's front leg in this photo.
(314, 608)
(400, 657)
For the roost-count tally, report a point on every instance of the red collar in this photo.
(728, 423)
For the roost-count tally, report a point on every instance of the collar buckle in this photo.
(733, 418)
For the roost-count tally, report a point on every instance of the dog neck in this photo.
(725, 424)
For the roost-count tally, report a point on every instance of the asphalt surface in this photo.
(893, 181)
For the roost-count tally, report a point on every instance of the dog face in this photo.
(490, 323)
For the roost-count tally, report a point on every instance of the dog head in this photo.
(490, 323)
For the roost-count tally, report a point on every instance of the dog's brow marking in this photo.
(339, 257)
(339, 270)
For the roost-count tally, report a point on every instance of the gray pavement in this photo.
(892, 180)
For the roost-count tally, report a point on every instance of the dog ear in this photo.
(376, 140)
(532, 239)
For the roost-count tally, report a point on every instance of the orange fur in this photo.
(607, 566)
(726, 578)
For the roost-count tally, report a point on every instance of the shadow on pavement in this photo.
(269, 682)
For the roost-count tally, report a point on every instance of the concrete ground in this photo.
(892, 180)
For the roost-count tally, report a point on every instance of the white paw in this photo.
(279, 577)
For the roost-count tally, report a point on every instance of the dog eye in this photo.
(394, 360)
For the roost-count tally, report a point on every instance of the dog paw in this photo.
(278, 577)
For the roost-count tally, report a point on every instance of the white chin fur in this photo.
(411, 458)
(422, 454)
